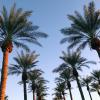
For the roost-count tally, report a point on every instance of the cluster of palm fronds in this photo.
(84, 30)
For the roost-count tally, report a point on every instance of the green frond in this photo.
(83, 29)
(86, 81)
(16, 28)
(60, 68)
(19, 44)
(25, 62)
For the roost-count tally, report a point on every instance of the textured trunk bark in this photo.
(80, 89)
(25, 91)
(4, 75)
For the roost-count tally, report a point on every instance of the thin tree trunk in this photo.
(4, 75)
(64, 97)
(70, 94)
(25, 91)
(80, 89)
(98, 51)
(33, 95)
(98, 92)
(88, 89)
(69, 87)
(90, 94)
(39, 97)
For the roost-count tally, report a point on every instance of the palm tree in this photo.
(66, 77)
(95, 87)
(86, 82)
(60, 91)
(96, 76)
(15, 28)
(84, 30)
(24, 64)
(34, 77)
(41, 89)
(76, 62)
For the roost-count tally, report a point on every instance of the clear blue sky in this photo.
(51, 16)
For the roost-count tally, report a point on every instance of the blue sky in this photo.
(51, 16)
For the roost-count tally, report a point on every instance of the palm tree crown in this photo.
(73, 60)
(86, 81)
(16, 28)
(24, 63)
(84, 29)
(96, 76)
(95, 87)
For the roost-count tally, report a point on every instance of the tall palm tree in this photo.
(25, 62)
(86, 82)
(96, 76)
(66, 77)
(95, 87)
(76, 62)
(15, 28)
(84, 30)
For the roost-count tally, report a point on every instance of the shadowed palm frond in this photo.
(15, 27)
(83, 29)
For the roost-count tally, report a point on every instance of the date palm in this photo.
(76, 62)
(86, 82)
(25, 62)
(96, 76)
(34, 77)
(41, 89)
(66, 77)
(60, 90)
(15, 30)
(84, 30)
(95, 87)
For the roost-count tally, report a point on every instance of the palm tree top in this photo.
(95, 87)
(73, 60)
(86, 81)
(24, 63)
(96, 75)
(15, 28)
(84, 28)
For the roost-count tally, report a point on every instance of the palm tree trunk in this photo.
(90, 94)
(98, 92)
(88, 89)
(33, 95)
(69, 87)
(64, 97)
(4, 74)
(80, 89)
(70, 94)
(98, 51)
(25, 91)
